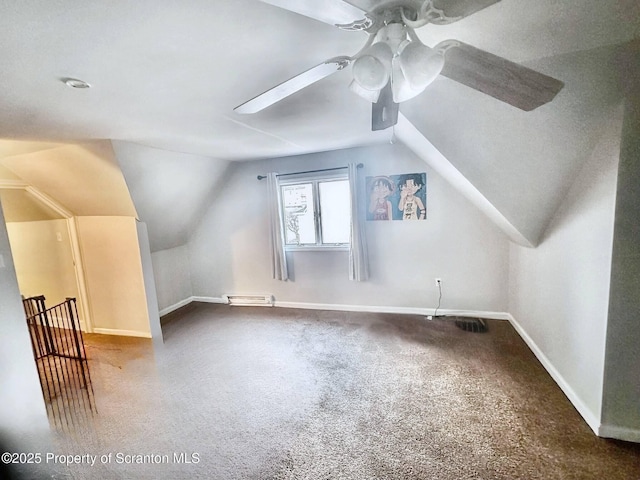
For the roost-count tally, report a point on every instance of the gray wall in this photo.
(559, 291)
(621, 403)
(149, 284)
(22, 412)
(172, 276)
(229, 251)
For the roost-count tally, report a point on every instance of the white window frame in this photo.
(315, 180)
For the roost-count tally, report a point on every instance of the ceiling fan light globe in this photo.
(371, 96)
(373, 68)
(370, 73)
(401, 88)
(420, 64)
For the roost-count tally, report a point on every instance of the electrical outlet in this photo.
(438, 282)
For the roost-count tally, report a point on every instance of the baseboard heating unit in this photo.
(249, 300)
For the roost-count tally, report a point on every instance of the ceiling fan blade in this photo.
(334, 12)
(293, 85)
(384, 113)
(498, 77)
(458, 9)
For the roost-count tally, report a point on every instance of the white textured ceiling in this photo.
(167, 75)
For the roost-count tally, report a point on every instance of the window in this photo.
(316, 212)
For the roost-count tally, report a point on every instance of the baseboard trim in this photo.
(187, 301)
(175, 306)
(620, 433)
(349, 308)
(592, 420)
(123, 333)
(392, 309)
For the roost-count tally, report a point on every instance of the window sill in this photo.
(323, 248)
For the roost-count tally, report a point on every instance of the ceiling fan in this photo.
(394, 65)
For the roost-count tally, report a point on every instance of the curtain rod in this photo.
(260, 177)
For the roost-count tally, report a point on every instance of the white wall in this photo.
(22, 411)
(113, 274)
(559, 291)
(172, 276)
(44, 263)
(229, 251)
(149, 284)
(621, 402)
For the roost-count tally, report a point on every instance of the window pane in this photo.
(335, 208)
(297, 202)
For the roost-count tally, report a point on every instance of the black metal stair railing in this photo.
(63, 369)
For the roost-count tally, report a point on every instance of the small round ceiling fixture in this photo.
(75, 83)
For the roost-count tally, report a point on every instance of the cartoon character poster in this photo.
(397, 197)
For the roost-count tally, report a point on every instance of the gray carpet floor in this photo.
(266, 393)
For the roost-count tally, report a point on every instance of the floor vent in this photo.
(249, 300)
(470, 324)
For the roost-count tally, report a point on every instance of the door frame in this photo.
(72, 229)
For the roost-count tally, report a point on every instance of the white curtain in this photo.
(358, 258)
(278, 255)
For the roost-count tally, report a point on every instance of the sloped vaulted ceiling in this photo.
(168, 75)
(85, 179)
(170, 190)
(523, 161)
